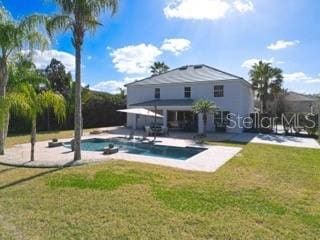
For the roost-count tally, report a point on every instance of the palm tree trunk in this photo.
(3, 85)
(78, 110)
(33, 138)
(205, 124)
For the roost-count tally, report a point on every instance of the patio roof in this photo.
(140, 111)
(164, 103)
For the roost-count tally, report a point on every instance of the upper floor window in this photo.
(157, 93)
(187, 92)
(218, 91)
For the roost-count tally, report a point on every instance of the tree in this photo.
(266, 82)
(79, 16)
(204, 107)
(59, 79)
(33, 105)
(159, 68)
(27, 97)
(13, 36)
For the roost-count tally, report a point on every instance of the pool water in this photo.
(133, 147)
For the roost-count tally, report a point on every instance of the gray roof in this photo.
(164, 103)
(191, 73)
(294, 96)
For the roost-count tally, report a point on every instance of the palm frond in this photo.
(204, 106)
(112, 5)
(49, 99)
(58, 23)
(20, 104)
(32, 22)
(67, 6)
(92, 24)
(9, 37)
(4, 14)
(4, 108)
(37, 40)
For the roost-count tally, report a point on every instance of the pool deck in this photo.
(207, 161)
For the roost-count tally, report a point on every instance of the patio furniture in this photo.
(199, 139)
(147, 130)
(109, 151)
(158, 130)
(55, 143)
(96, 132)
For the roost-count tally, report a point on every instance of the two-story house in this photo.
(173, 93)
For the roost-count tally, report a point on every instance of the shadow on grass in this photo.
(23, 180)
(226, 142)
(7, 170)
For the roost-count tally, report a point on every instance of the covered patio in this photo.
(176, 115)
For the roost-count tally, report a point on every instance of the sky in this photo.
(230, 35)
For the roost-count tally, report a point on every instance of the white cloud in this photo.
(113, 86)
(176, 45)
(197, 9)
(243, 6)
(135, 59)
(281, 44)
(205, 9)
(301, 77)
(250, 62)
(43, 59)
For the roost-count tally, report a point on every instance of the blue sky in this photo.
(227, 34)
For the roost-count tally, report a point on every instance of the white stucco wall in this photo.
(238, 97)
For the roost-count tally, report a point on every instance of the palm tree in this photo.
(33, 104)
(28, 96)
(159, 68)
(14, 36)
(204, 107)
(266, 81)
(79, 16)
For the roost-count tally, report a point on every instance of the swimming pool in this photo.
(138, 148)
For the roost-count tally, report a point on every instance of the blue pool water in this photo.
(146, 149)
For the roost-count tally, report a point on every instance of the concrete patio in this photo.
(208, 161)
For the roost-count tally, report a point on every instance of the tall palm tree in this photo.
(266, 81)
(79, 16)
(14, 36)
(158, 68)
(204, 107)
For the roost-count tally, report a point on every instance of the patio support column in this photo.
(134, 122)
(200, 123)
(165, 118)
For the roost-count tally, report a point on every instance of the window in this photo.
(218, 91)
(157, 93)
(187, 92)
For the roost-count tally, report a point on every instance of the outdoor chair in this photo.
(131, 136)
(54, 143)
(109, 151)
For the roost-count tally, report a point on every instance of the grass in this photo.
(41, 136)
(265, 192)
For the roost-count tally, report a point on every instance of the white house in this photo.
(173, 93)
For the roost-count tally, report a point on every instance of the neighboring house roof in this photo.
(164, 103)
(185, 74)
(298, 97)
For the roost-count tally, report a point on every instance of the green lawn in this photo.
(265, 192)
